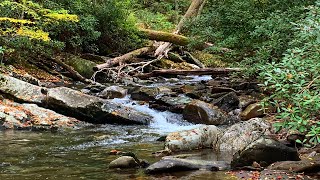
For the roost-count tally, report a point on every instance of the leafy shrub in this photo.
(295, 80)
(24, 28)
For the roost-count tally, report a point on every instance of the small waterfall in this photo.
(163, 122)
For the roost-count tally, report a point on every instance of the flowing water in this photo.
(84, 153)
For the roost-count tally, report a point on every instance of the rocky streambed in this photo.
(210, 125)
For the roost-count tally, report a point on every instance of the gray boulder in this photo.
(264, 151)
(124, 162)
(30, 116)
(93, 109)
(201, 137)
(112, 92)
(149, 93)
(204, 113)
(177, 164)
(240, 135)
(20, 90)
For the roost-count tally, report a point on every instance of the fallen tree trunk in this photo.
(166, 37)
(207, 71)
(123, 58)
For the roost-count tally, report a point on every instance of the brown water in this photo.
(82, 154)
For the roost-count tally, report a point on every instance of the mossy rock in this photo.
(82, 66)
(209, 60)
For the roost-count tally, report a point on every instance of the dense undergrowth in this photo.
(277, 41)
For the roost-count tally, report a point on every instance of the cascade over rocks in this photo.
(93, 109)
(264, 151)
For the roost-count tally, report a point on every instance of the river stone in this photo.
(82, 66)
(93, 109)
(112, 92)
(149, 93)
(240, 135)
(204, 113)
(20, 90)
(174, 104)
(307, 165)
(246, 100)
(228, 102)
(177, 164)
(124, 162)
(252, 111)
(266, 151)
(30, 116)
(201, 137)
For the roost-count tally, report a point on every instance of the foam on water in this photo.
(163, 122)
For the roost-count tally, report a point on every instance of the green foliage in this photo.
(25, 29)
(160, 15)
(295, 80)
(248, 27)
(104, 26)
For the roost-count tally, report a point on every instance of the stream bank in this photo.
(138, 126)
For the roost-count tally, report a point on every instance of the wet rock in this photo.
(124, 162)
(204, 113)
(252, 111)
(93, 89)
(217, 89)
(20, 90)
(264, 150)
(228, 102)
(307, 165)
(93, 109)
(170, 103)
(195, 91)
(201, 137)
(30, 116)
(149, 93)
(177, 164)
(112, 92)
(293, 136)
(246, 100)
(240, 135)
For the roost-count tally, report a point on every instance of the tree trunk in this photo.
(207, 71)
(193, 10)
(123, 58)
(166, 37)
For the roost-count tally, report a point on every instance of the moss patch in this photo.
(82, 66)
(209, 60)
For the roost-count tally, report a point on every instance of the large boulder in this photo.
(201, 137)
(30, 116)
(264, 151)
(177, 164)
(204, 113)
(93, 109)
(240, 135)
(20, 90)
(124, 162)
(82, 66)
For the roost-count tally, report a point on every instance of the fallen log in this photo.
(206, 71)
(123, 58)
(165, 36)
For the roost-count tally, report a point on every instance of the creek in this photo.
(84, 153)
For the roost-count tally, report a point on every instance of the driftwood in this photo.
(207, 71)
(123, 58)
